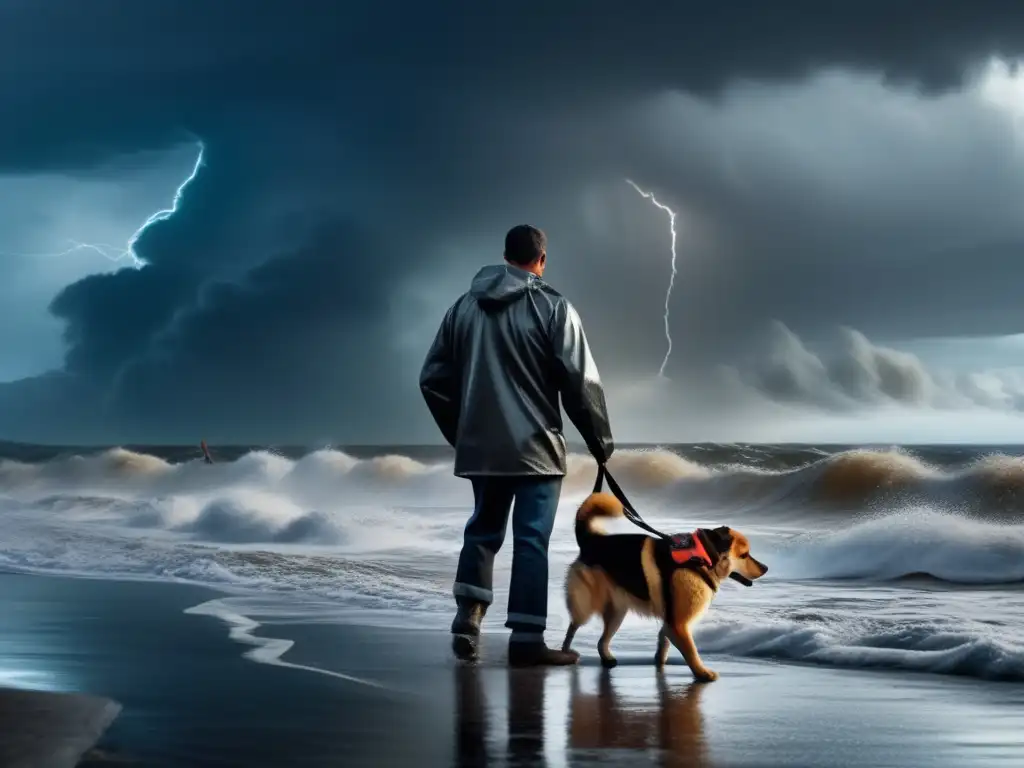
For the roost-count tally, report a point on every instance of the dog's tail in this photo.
(595, 506)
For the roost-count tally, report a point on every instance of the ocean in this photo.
(892, 558)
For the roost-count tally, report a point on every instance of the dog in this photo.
(672, 580)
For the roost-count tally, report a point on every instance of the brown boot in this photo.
(466, 630)
(537, 654)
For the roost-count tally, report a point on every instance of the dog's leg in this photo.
(613, 616)
(569, 635)
(683, 640)
(578, 600)
(661, 652)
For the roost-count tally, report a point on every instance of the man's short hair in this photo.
(524, 244)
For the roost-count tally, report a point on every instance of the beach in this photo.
(190, 696)
(279, 609)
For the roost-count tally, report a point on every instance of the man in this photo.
(504, 353)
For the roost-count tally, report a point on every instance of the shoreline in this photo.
(255, 630)
(316, 693)
(265, 649)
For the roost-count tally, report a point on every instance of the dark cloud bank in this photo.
(361, 160)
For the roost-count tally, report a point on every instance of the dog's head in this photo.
(735, 560)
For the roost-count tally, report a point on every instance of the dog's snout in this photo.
(764, 568)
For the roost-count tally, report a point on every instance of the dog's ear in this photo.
(721, 538)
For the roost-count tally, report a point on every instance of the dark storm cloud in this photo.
(144, 75)
(295, 349)
(428, 125)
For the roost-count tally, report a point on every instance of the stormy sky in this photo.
(848, 181)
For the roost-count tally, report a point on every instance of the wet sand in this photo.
(190, 698)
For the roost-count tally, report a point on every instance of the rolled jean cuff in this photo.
(478, 594)
(524, 622)
(526, 637)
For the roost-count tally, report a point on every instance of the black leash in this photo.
(630, 512)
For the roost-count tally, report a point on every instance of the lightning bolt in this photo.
(119, 253)
(672, 278)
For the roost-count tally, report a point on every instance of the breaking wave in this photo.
(845, 478)
(908, 516)
(915, 647)
(907, 543)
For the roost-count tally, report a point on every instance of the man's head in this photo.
(526, 247)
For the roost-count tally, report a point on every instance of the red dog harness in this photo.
(690, 550)
(687, 547)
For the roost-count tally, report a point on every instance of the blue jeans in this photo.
(533, 517)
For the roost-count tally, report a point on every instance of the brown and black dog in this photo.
(614, 575)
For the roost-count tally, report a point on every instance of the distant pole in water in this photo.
(206, 452)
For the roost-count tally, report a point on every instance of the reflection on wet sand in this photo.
(672, 723)
(470, 718)
(525, 718)
(669, 726)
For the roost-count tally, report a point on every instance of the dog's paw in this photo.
(609, 662)
(705, 676)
